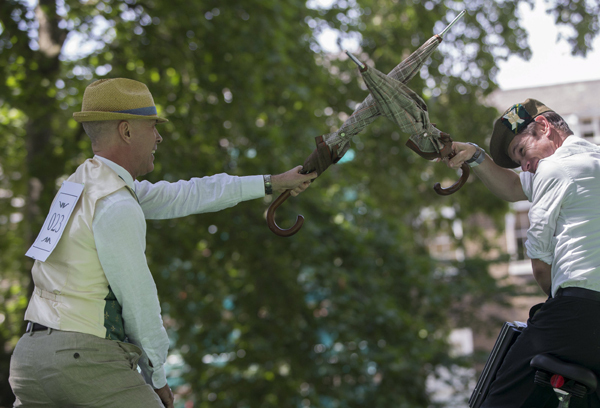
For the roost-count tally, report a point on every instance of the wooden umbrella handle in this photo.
(466, 170)
(446, 152)
(271, 217)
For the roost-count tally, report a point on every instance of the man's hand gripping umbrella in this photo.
(389, 96)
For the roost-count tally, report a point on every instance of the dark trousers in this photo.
(566, 327)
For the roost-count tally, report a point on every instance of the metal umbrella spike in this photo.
(449, 26)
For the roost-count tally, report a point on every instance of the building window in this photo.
(588, 129)
(521, 227)
(517, 224)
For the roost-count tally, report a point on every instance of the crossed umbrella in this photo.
(390, 97)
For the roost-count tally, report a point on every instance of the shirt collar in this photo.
(121, 172)
(573, 145)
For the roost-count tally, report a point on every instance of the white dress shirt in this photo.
(120, 235)
(565, 214)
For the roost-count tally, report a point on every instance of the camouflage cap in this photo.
(512, 122)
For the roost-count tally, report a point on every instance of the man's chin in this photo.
(148, 170)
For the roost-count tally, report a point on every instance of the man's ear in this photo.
(124, 130)
(544, 128)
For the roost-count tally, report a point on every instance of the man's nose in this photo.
(159, 138)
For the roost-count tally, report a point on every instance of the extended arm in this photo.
(503, 183)
(165, 200)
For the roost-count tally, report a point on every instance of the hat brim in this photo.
(499, 147)
(102, 116)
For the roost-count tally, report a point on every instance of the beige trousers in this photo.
(52, 368)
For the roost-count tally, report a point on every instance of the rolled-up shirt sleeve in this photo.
(551, 185)
(120, 232)
(164, 200)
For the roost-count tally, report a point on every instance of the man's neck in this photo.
(115, 156)
(558, 138)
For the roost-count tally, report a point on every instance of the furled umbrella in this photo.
(404, 107)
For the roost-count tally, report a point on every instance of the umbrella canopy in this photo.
(331, 147)
(407, 110)
(368, 110)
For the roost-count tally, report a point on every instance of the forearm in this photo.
(165, 200)
(503, 183)
(542, 272)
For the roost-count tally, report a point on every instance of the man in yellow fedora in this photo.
(94, 314)
(560, 174)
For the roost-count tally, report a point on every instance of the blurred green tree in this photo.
(350, 311)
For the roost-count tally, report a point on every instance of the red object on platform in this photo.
(557, 381)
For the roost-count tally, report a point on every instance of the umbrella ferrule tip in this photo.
(362, 66)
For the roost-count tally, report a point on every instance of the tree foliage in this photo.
(352, 310)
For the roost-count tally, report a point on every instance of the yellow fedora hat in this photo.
(117, 98)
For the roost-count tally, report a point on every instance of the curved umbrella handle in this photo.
(271, 217)
(456, 186)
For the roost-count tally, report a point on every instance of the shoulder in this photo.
(120, 204)
(549, 168)
(552, 177)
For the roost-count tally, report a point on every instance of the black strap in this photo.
(35, 327)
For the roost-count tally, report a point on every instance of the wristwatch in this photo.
(268, 185)
(477, 158)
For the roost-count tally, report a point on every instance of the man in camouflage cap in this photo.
(560, 174)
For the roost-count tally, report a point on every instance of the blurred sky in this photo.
(551, 62)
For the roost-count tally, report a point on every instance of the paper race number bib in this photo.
(56, 221)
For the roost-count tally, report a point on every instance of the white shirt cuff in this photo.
(159, 377)
(252, 187)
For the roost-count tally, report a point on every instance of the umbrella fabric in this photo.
(405, 108)
(331, 147)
